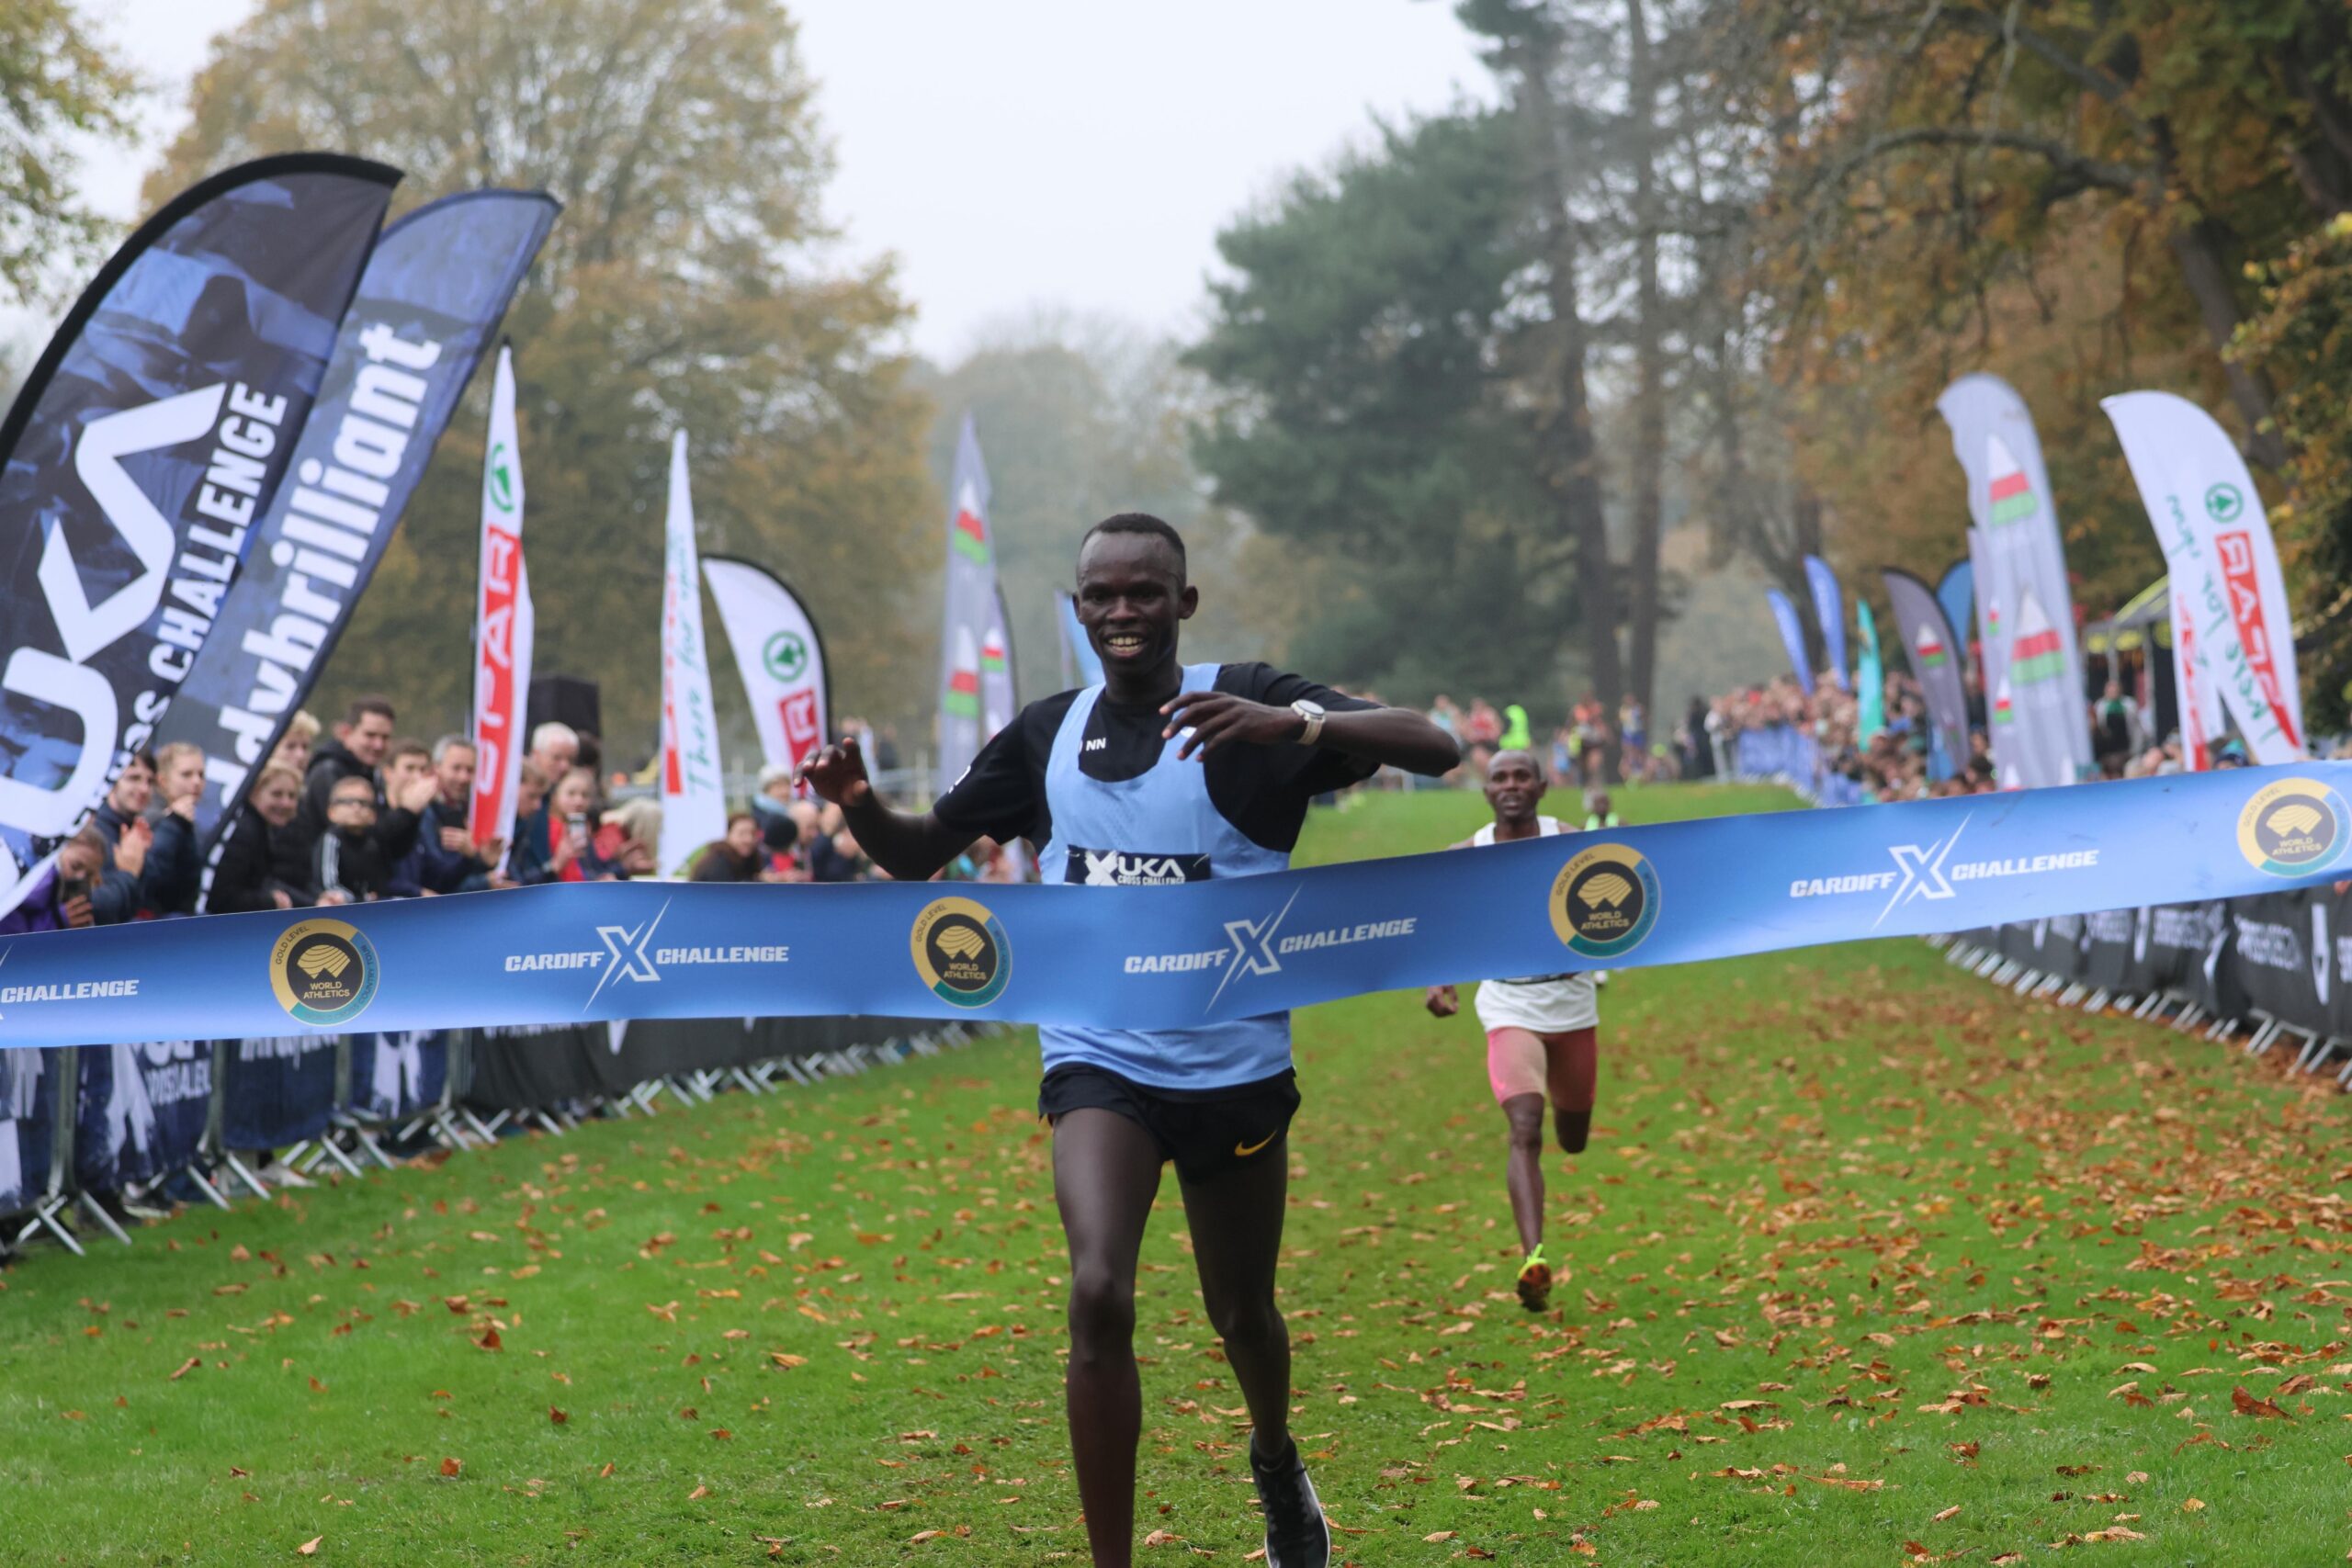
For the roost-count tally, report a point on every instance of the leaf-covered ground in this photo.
(1869, 1264)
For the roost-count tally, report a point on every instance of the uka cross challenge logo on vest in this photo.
(1604, 901)
(961, 952)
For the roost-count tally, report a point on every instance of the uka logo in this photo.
(227, 496)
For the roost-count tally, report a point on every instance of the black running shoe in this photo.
(1296, 1535)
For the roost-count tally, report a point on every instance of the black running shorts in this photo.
(1206, 1132)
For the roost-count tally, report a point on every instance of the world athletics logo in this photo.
(2294, 828)
(961, 952)
(1605, 902)
(324, 972)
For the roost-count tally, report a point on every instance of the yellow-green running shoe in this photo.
(1535, 1281)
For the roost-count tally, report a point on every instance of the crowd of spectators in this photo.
(360, 813)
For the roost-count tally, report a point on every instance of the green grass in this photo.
(1860, 1241)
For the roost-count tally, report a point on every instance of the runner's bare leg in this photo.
(1106, 1173)
(1573, 1067)
(1237, 1222)
(1524, 1173)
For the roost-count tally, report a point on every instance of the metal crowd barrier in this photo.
(79, 1124)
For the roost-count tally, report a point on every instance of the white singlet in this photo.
(1550, 1004)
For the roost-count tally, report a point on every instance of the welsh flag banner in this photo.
(2041, 698)
(503, 624)
(693, 799)
(1929, 639)
(999, 696)
(2017, 552)
(2226, 584)
(971, 611)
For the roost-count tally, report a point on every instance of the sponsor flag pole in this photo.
(133, 467)
(2227, 590)
(426, 308)
(503, 624)
(780, 656)
(694, 798)
(1784, 614)
(2018, 552)
(970, 606)
(1932, 648)
(1829, 610)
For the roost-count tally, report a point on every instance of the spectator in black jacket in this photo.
(735, 857)
(407, 789)
(115, 897)
(346, 867)
(174, 869)
(443, 858)
(358, 749)
(248, 876)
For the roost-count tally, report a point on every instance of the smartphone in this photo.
(579, 821)
(73, 887)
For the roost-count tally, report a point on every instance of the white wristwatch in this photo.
(1312, 714)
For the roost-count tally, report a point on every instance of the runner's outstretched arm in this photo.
(911, 846)
(1392, 737)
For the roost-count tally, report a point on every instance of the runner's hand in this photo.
(1442, 1002)
(1219, 719)
(838, 773)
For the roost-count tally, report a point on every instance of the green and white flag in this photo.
(693, 798)
(971, 609)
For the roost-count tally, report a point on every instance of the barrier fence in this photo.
(2277, 965)
(1787, 755)
(91, 1120)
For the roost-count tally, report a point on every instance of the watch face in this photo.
(1307, 709)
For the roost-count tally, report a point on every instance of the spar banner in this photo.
(780, 656)
(2020, 556)
(1000, 694)
(1829, 613)
(1181, 957)
(1932, 648)
(427, 306)
(970, 607)
(1870, 676)
(2226, 586)
(1082, 666)
(149, 437)
(694, 798)
(504, 627)
(1784, 615)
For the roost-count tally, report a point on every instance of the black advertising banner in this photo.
(151, 434)
(526, 1067)
(142, 1111)
(276, 1092)
(2272, 943)
(397, 1075)
(425, 310)
(29, 1101)
(2110, 944)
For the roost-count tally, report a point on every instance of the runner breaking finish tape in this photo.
(1165, 773)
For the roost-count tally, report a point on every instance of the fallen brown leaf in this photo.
(557, 1417)
(308, 1548)
(1948, 1513)
(451, 1466)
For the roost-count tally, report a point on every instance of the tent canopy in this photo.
(2146, 620)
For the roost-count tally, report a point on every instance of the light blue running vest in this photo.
(1165, 811)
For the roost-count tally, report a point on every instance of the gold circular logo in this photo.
(2293, 828)
(961, 952)
(324, 972)
(1605, 900)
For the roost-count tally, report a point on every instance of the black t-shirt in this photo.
(1263, 790)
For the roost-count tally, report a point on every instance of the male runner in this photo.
(1207, 769)
(1542, 1033)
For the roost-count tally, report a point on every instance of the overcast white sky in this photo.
(1079, 155)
